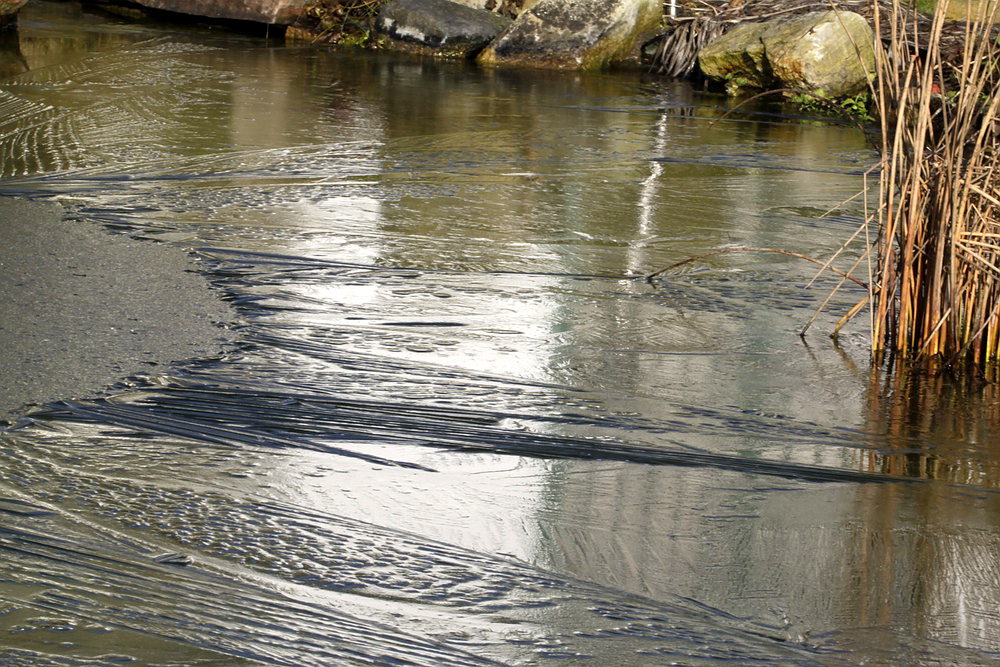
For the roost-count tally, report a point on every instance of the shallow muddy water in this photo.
(457, 426)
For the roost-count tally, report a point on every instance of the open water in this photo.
(457, 426)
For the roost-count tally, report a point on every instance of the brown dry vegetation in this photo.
(339, 22)
(935, 274)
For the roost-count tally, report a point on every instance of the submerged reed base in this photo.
(925, 425)
(935, 279)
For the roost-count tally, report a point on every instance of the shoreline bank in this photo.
(86, 308)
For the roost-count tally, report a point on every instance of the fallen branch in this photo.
(722, 251)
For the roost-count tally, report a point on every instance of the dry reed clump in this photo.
(934, 262)
(935, 282)
(698, 23)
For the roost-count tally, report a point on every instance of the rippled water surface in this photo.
(458, 427)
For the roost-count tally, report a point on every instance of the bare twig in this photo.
(722, 251)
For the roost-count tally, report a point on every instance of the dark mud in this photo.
(84, 308)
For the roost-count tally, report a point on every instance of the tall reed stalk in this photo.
(935, 283)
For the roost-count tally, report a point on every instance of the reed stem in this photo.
(935, 287)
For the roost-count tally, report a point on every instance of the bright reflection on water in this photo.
(452, 374)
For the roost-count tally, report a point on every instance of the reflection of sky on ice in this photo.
(482, 501)
(339, 226)
(444, 326)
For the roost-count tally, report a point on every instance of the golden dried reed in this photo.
(935, 284)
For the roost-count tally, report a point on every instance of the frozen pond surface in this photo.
(456, 426)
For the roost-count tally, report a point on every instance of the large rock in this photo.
(440, 25)
(509, 8)
(576, 34)
(9, 10)
(274, 12)
(826, 53)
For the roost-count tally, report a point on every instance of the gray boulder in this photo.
(576, 34)
(442, 26)
(828, 53)
(509, 8)
(274, 12)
